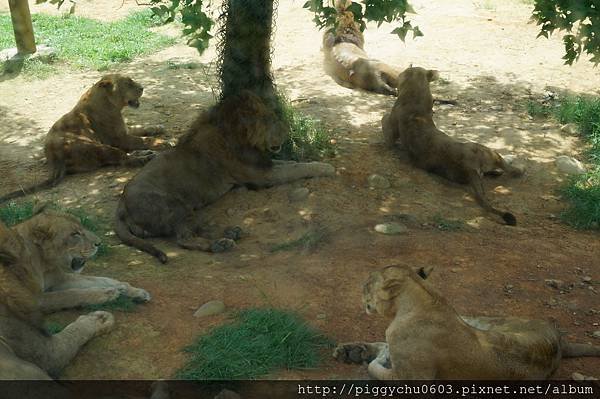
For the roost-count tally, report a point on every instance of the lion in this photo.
(94, 134)
(228, 145)
(346, 60)
(427, 339)
(411, 121)
(26, 350)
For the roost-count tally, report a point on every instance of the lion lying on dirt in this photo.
(59, 247)
(427, 339)
(411, 120)
(228, 145)
(94, 134)
(26, 351)
(347, 62)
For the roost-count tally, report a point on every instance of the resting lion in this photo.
(94, 134)
(26, 351)
(411, 121)
(427, 339)
(228, 145)
(347, 62)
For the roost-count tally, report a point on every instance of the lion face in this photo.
(62, 240)
(385, 285)
(121, 90)
(416, 76)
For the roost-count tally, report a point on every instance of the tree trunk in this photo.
(246, 53)
(21, 20)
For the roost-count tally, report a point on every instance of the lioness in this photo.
(228, 145)
(26, 351)
(427, 339)
(347, 62)
(94, 134)
(57, 248)
(411, 120)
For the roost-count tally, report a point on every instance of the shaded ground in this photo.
(491, 64)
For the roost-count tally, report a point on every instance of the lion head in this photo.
(120, 90)
(249, 121)
(384, 286)
(61, 240)
(416, 76)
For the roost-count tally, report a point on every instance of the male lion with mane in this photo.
(427, 339)
(411, 120)
(93, 134)
(346, 60)
(228, 145)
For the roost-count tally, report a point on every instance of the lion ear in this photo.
(424, 272)
(41, 233)
(432, 75)
(10, 246)
(390, 289)
(105, 82)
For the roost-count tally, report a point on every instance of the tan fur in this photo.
(93, 134)
(228, 145)
(347, 62)
(26, 351)
(427, 339)
(411, 121)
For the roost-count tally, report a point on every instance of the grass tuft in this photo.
(121, 304)
(446, 224)
(88, 43)
(538, 110)
(308, 242)
(256, 343)
(583, 192)
(16, 212)
(308, 141)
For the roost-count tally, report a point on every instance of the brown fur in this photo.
(228, 145)
(411, 121)
(347, 62)
(26, 252)
(93, 134)
(427, 339)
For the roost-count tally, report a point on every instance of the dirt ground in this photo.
(491, 65)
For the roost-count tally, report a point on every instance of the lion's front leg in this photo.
(94, 285)
(76, 297)
(283, 173)
(390, 130)
(146, 131)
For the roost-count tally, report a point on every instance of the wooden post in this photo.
(21, 20)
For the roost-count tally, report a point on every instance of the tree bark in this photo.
(21, 20)
(246, 54)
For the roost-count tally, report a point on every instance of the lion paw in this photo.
(112, 293)
(233, 233)
(139, 295)
(352, 353)
(103, 321)
(222, 245)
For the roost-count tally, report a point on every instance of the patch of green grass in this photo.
(87, 43)
(256, 343)
(583, 192)
(447, 224)
(16, 212)
(121, 304)
(53, 327)
(309, 241)
(537, 110)
(308, 141)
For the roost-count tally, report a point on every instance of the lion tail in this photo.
(482, 200)
(579, 350)
(124, 233)
(58, 174)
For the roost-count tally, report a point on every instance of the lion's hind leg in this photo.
(360, 352)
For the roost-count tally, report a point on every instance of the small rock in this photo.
(570, 166)
(569, 129)
(378, 181)
(596, 334)
(455, 270)
(391, 228)
(557, 284)
(508, 287)
(515, 161)
(586, 279)
(578, 377)
(298, 194)
(210, 308)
